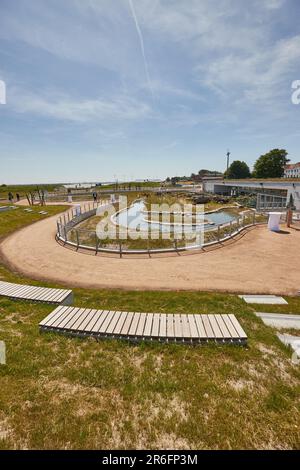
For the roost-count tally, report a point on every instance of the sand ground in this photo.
(258, 261)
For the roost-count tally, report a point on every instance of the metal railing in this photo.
(120, 240)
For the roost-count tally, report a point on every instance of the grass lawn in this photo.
(17, 218)
(23, 189)
(60, 392)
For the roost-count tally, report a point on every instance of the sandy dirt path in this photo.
(258, 262)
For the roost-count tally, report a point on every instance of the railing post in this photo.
(120, 247)
(77, 239)
(66, 236)
(218, 233)
(97, 243)
(230, 224)
(253, 218)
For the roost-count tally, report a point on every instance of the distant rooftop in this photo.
(292, 166)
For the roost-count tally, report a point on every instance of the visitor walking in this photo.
(10, 197)
(18, 197)
(95, 196)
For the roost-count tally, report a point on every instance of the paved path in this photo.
(259, 262)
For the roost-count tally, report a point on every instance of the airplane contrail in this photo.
(139, 32)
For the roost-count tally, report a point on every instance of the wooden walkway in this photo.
(36, 294)
(145, 326)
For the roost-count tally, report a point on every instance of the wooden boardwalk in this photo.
(36, 294)
(145, 326)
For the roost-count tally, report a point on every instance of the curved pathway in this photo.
(258, 262)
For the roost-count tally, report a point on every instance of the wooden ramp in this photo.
(36, 294)
(132, 326)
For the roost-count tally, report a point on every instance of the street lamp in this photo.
(228, 155)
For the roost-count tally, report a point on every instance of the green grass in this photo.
(17, 218)
(293, 306)
(60, 392)
(23, 189)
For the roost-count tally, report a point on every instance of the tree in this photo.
(238, 170)
(271, 165)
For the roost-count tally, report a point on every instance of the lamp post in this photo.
(228, 155)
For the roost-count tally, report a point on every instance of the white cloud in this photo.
(259, 75)
(63, 107)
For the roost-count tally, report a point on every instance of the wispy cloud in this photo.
(140, 35)
(63, 107)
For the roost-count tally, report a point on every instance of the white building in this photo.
(281, 188)
(292, 170)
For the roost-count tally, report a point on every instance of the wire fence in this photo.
(122, 240)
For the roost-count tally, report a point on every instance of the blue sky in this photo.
(105, 89)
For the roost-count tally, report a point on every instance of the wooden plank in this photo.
(100, 320)
(58, 297)
(141, 324)
(68, 320)
(7, 288)
(193, 327)
(134, 324)
(80, 318)
(26, 292)
(106, 322)
(148, 324)
(59, 317)
(208, 329)
(155, 325)
(52, 314)
(20, 292)
(215, 327)
(4, 284)
(52, 294)
(237, 326)
(177, 326)
(170, 325)
(88, 322)
(64, 296)
(113, 322)
(230, 326)
(200, 326)
(35, 293)
(119, 325)
(163, 326)
(226, 334)
(186, 332)
(127, 323)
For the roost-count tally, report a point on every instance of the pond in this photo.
(136, 217)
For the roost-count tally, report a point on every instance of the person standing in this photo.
(10, 196)
(18, 197)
